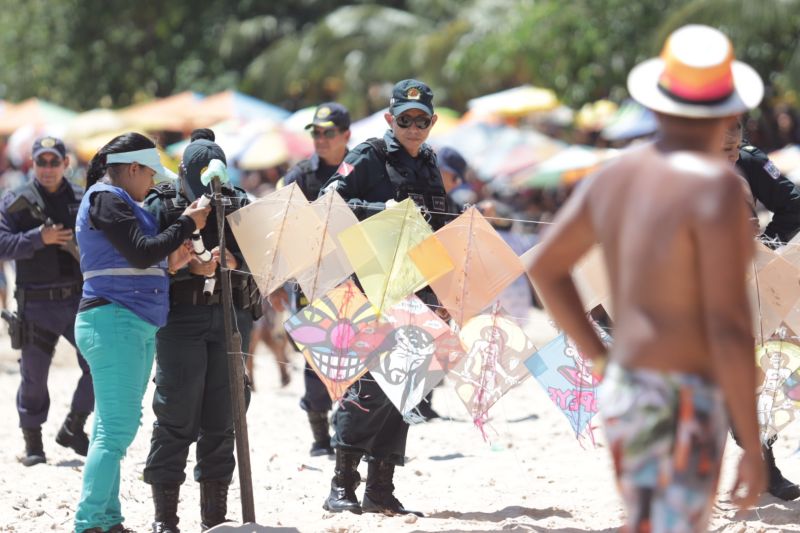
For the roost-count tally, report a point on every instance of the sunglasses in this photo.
(405, 121)
(328, 134)
(52, 163)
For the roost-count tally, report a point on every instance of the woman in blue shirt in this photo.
(124, 261)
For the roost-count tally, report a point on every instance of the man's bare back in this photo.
(652, 211)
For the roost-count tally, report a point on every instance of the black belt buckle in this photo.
(65, 292)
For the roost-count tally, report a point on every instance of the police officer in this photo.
(36, 230)
(192, 400)
(374, 175)
(330, 129)
(780, 196)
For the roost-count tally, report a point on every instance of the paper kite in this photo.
(325, 331)
(497, 349)
(774, 292)
(328, 270)
(408, 351)
(567, 378)
(484, 265)
(278, 238)
(378, 250)
(777, 361)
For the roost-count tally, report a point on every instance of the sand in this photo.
(532, 476)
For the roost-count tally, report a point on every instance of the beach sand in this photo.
(532, 476)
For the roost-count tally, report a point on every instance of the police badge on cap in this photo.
(48, 145)
(411, 94)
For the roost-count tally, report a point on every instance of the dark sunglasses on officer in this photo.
(422, 122)
(328, 133)
(45, 162)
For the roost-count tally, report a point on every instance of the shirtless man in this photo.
(672, 221)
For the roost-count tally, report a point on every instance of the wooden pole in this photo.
(235, 367)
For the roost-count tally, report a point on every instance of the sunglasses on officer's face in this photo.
(421, 122)
(52, 163)
(328, 134)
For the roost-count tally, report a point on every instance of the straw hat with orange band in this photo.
(696, 76)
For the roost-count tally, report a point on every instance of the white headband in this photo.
(148, 157)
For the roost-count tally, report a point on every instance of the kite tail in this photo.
(480, 421)
(351, 397)
(414, 417)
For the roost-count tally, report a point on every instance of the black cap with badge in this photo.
(196, 157)
(411, 94)
(48, 145)
(331, 114)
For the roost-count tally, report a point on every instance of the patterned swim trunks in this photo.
(666, 432)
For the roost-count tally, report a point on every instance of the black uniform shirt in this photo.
(310, 175)
(778, 194)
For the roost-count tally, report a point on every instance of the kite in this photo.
(566, 375)
(328, 271)
(778, 360)
(496, 349)
(486, 265)
(325, 331)
(378, 250)
(774, 291)
(408, 351)
(273, 234)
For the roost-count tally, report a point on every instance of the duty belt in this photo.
(51, 294)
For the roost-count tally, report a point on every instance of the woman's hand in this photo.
(198, 214)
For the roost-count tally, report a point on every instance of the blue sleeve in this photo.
(15, 244)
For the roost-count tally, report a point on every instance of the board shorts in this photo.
(666, 432)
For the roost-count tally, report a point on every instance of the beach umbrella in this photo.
(372, 126)
(631, 120)
(516, 102)
(173, 113)
(298, 120)
(94, 122)
(593, 116)
(273, 148)
(566, 167)
(235, 105)
(34, 112)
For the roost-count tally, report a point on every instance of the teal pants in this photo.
(119, 347)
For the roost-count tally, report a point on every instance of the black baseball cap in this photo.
(452, 161)
(331, 114)
(48, 145)
(196, 157)
(411, 94)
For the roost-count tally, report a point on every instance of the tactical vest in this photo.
(174, 205)
(50, 265)
(108, 275)
(308, 181)
(426, 193)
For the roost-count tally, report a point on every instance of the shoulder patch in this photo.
(345, 169)
(772, 170)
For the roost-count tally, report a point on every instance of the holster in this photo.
(15, 329)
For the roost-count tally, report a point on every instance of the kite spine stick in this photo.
(313, 295)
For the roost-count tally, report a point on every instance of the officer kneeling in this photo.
(192, 401)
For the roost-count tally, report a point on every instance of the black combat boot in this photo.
(319, 428)
(34, 449)
(213, 503)
(165, 499)
(778, 486)
(379, 494)
(343, 485)
(72, 435)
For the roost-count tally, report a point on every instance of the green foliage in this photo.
(88, 53)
